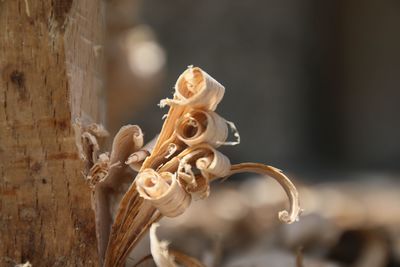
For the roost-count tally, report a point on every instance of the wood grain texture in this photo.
(50, 55)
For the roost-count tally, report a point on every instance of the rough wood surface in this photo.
(49, 76)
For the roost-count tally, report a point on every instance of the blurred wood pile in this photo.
(344, 224)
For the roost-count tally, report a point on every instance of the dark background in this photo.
(313, 86)
(314, 89)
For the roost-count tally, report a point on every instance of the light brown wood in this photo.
(183, 161)
(50, 55)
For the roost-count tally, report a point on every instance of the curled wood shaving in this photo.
(108, 178)
(128, 140)
(97, 130)
(213, 163)
(87, 139)
(197, 89)
(99, 170)
(182, 163)
(208, 161)
(90, 147)
(199, 126)
(206, 158)
(172, 149)
(294, 211)
(107, 168)
(235, 132)
(163, 191)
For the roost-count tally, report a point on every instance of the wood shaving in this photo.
(163, 191)
(159, 249)
(197, 89)
(164, 257)
(181, 165)
(91, 146)
(294, 211)
(97, 130)
(199, 126)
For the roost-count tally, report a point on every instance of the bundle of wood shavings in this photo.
(176, 167)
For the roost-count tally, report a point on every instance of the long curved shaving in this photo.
(294, 211)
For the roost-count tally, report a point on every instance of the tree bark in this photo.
(50, 55)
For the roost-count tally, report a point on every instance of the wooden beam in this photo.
(50, 66)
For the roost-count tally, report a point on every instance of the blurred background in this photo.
(314, 89)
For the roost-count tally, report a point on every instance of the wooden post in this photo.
(50, 58)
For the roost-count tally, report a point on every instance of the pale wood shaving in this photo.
(182, 163)
(163, 257)
(91, 146)
(97, 130)
(197, 89)
(136, 159)
(198, 126)
(294, 211)
(159, 250)
(163, 191)
(87, 139)
(213, 163)
(99, 170)
(235, 132)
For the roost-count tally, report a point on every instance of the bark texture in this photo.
(50, 55)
